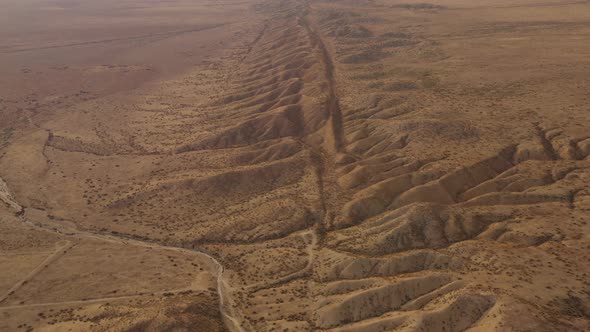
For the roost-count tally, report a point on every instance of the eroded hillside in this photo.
(333, 165)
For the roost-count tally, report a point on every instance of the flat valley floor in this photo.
(294, 165)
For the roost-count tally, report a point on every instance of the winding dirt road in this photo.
(223, 290)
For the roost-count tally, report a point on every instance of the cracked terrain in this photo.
(294, 165)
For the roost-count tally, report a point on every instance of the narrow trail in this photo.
(223, 290)
(60, 251)
(93, 301)
(311, 244)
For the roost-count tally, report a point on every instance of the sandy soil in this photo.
(294, 165)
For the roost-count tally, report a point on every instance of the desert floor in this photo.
(294, 165)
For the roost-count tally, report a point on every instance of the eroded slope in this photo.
(352, 166)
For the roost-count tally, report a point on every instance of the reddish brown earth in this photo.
(294, 165)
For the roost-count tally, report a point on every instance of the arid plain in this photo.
(302, 165)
